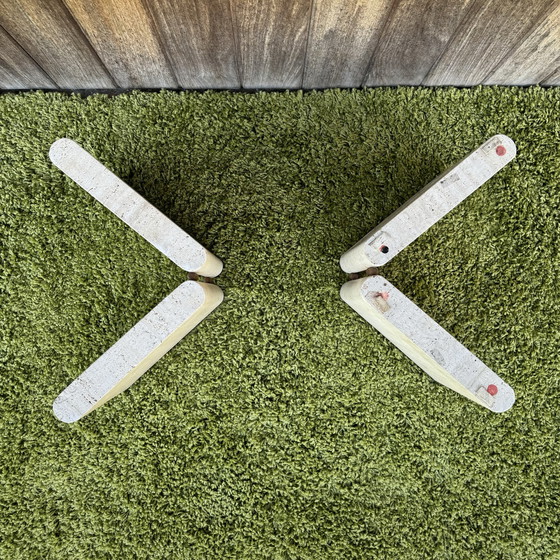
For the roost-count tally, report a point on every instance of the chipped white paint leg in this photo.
(138, 350)
(426, 343)
(423, 210)
(134, 210)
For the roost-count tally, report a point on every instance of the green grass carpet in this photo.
(284, 426)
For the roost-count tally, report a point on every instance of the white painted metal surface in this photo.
(140, 348)
(425, 342)
(435, 200)
(134, 210)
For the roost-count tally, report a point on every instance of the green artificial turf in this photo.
(284, 426)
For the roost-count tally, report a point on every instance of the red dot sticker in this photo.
(501, 151)
(492, 389)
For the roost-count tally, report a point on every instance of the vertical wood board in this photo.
(272, 40)
(553, 79)
(533, 59)
(341, 41)
(46, 30)
(123, 35)
(413, 39)
(17, 69)
(199, 41)
(484, 39)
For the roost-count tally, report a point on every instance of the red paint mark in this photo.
(492, 389)
(501, 150)
(384, 295)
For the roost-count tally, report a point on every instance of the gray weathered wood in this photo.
(279, 44)
(17, 69)
(412, 40)
(535, 58)
(198, 38)
(484, 38)
(123, 35)
(272, 40)
(553, 79)
(46, 30)
(342, 37)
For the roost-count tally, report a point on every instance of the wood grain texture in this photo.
(413, 39)
(123, 35)
(342, 37)
(17, 69)
(484, 38)
(272, 40)
(534, 58)
(46, 30)
(553, 79)
(198, 38)
(276, 44)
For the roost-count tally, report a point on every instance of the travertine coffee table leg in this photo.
(132, 209)
(429, 205)
(138, 350)
(426, 343)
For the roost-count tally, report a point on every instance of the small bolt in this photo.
(501, 150)
(384, 249)
(492, 389)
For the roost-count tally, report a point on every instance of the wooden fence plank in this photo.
(342, 37)
(122, 33)
(533, 59)
(283, 44)
(17, 69)
(47, 31)
(485, 37)
(272, 38)
(553, 79)
(413, 39)
(198, 37)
